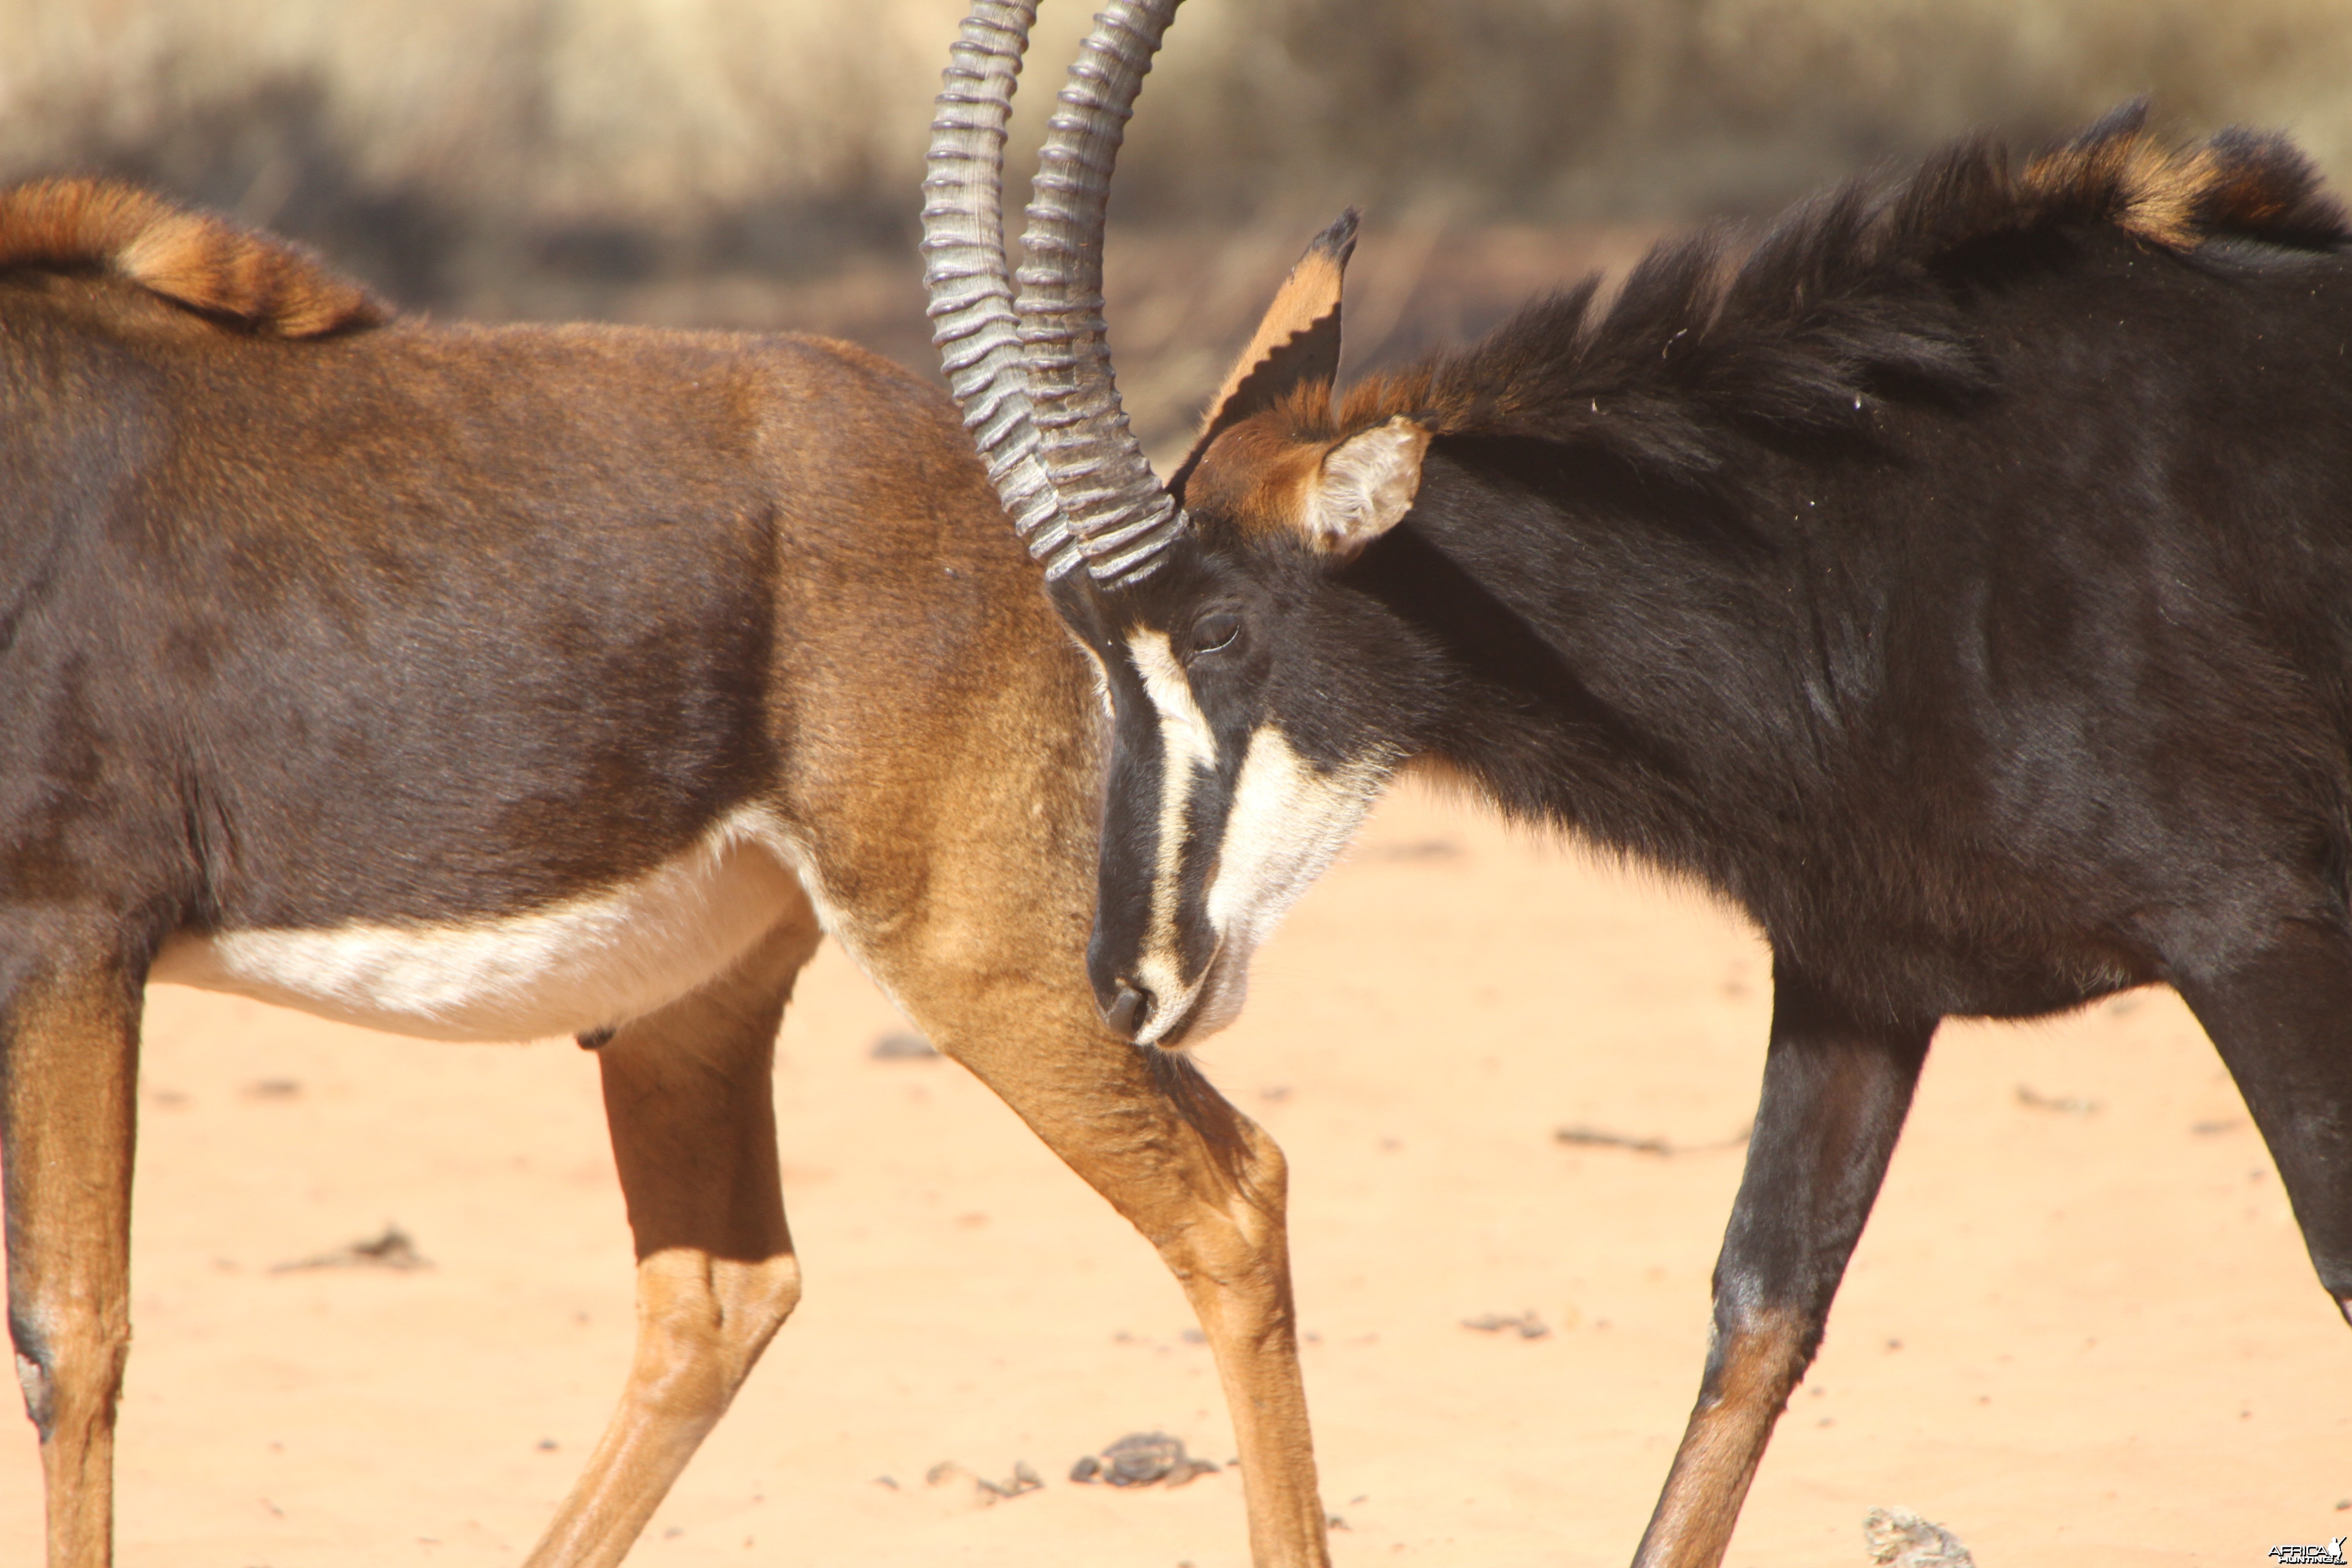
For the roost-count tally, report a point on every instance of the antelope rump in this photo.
(1958, 580)
(499, 683)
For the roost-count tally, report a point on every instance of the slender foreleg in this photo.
(1203, 1184)
(69, 1046)
(953, 836)
(1001, 990)
(1836, 1093)
(2282, 1019)
(687, 1096)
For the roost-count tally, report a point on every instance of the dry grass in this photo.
(754, 162)
(664, 114)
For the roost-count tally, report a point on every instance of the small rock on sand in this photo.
(1141, 1458)
(393, 1249)
(1897, 1538)
(1021, 1481)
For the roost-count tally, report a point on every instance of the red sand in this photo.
(2067, 1335)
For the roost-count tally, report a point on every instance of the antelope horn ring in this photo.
(1034, 376)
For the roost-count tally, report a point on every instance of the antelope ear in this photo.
(1367, 484)
(1297, 342)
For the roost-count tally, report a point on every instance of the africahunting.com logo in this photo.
(2331, 1553)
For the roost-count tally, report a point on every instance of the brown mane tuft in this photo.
(2239, 185)
(260, 282)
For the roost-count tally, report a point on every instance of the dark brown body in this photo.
(483, 682)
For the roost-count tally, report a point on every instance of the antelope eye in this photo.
(1216, 630)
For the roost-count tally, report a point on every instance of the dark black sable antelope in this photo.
(1960, 581)
(501, 683)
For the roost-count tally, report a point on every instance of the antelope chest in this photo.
(582, 963)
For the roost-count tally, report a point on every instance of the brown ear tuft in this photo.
(1297, 342)
(257, 281)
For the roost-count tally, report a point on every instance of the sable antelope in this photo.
(1960, 581)
(487, 684)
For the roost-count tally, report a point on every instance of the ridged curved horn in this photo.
(1121, 516)
(971, 294)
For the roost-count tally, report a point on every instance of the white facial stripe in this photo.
(1187, 747)
(580, 965)
(1184, 728)
(1290, 821)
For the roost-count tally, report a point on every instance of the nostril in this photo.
(1127, 1014)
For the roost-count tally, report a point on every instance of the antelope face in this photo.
(1243, 753)
(1251, 729)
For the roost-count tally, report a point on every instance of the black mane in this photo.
(1849, 297)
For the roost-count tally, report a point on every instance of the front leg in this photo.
(1201, 1182)
(1836, 1093)
(1003, 991)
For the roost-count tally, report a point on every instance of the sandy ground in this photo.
(2070, 1332)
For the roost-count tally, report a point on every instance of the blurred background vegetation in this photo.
(754, 162)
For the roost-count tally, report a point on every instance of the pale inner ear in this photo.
(1367, 484)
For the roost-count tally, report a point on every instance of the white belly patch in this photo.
(565, 968)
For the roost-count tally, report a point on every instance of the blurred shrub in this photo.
(518, 156)
(1575, 109)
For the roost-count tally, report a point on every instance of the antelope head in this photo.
(1241, 764)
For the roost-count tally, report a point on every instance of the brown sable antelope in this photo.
(1959, 581)
(488, 684)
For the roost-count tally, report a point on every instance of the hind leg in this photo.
(2283, 1022)
(688, 1096)
(70, 1048)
